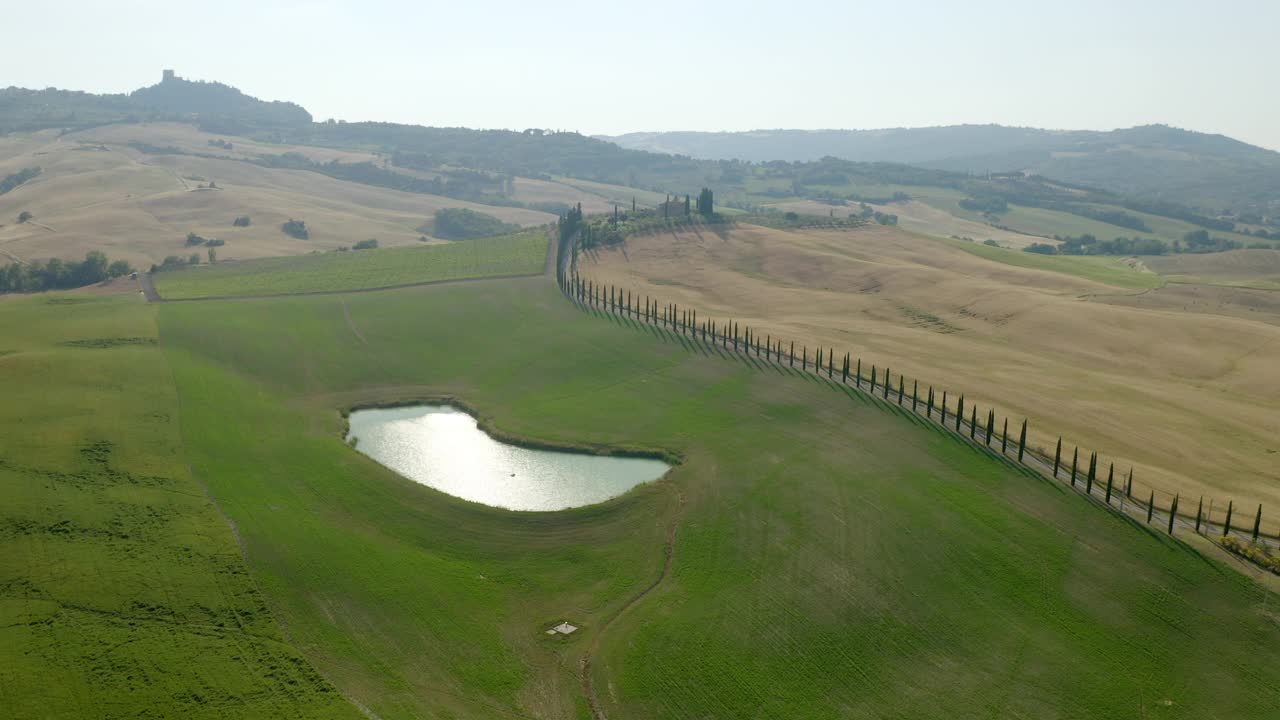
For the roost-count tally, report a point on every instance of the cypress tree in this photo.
(857, 375)
(1004, 438)
(1173, 513)
(928, 409)
(901, 387)
(830, 363)
(1199, 511)
(1093, 466)
(844, 370)
(1151, 506)
(1057, 457)
(915, 394)
(792, 354)
(973, 423)
(991, 425)
(1257, 523)
(873, 379)
(959, 413)
(1022, 440)
(1111, 475)
(886, 383)
(1074, 458)
(1226, 527)
(944, 408)
(1129, 489)
(817, 359)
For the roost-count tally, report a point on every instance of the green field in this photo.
(122, 591)
(830, 559)
(1103, 269)
(518, 254)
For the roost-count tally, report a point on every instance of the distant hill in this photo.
(216, 107)
(1211, 172)
(1153, 183)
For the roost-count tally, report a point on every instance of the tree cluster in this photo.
(13, 180)
(296, 229)
(57, 274)
(466, 224)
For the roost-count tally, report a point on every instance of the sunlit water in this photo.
(440, 446)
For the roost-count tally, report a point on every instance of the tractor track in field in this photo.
(584, 665)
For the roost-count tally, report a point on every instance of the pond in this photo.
(441, 446)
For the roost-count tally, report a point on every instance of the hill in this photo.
(1154, 362)
(135, 191)
(357, 180)
(826, 558)
(219, 107)
(1211, 172)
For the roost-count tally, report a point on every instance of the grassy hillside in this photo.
(122, 589)
(1174, 378)
(519, 254)
(803, 584)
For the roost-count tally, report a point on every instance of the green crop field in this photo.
(830, 559)
(518, 254)
(122, 591)
(1103, 269)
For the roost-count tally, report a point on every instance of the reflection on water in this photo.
(440, 446)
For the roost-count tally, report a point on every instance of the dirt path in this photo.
(588, 688)
(149, 287)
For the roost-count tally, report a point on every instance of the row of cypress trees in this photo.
(731, 335)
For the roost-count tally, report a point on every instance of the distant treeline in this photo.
(14, 180)
(55, 274)
(1196, 241)
(995, 195)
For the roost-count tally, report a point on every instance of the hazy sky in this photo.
(603, 67)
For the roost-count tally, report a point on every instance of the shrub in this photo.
(242, 221)
(1252, 552)
(991, 242)
(194, 239)
(369, 244)
(1041, 248)
(23, 217)
(296, 229)
(214, 242)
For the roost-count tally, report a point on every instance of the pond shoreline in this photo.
(486, 426)
(447, 445)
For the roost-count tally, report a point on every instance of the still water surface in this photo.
(441, 446)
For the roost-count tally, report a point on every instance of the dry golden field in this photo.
(97, 192)
(916, 216)
(1182, 382)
